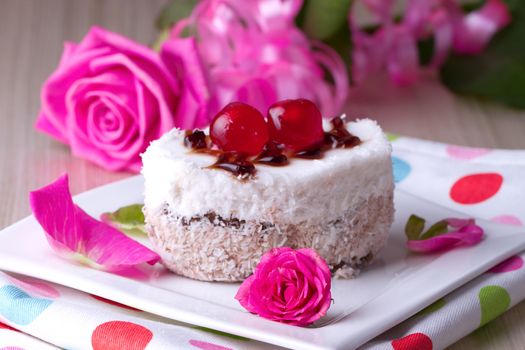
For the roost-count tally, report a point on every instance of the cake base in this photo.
(213, 248)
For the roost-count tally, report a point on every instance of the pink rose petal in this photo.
(442, 242)
(460, 223)
(196, 105)
(466, 233)
(243, 294)
(73, 233)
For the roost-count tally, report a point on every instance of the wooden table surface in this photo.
(31, 36)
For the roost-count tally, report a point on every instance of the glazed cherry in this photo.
(297, 124)
(240, 128)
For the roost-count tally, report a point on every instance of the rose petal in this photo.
(52, 95)
(70, 231)
(44, 124)
(69, 49)
(84, 96)
(445, 241)
(164, 96)
(147, 59)
(320, 263)
(243, 293)
(195, 105)
(459, 223)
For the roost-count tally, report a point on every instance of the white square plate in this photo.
(396, 286)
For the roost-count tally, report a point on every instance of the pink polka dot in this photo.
(466, 153)
(476, 188)
(116, 335)
(507, 220)
(35, 287)
(511, 264)
(207, 346)
(413, 341)
(11, 348)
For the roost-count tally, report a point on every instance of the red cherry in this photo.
(239, 127)
(297, 124)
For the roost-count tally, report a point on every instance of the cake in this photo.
(211, 214)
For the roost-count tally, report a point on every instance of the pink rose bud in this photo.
(288, 286)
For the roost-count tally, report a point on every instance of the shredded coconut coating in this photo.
(211, 248)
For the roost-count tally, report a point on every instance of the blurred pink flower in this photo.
(288, 286)
(393, 45)
(110, 96)
(254, 53)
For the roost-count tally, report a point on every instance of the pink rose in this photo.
(289, 286)
(110, 96)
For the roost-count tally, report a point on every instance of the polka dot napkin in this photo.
(483, 183)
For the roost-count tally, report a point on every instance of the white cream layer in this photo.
(303, 191)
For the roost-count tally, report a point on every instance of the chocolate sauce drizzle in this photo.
(273, 154)
(195, 139)
(235, 163)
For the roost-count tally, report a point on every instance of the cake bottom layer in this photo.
(212, 248)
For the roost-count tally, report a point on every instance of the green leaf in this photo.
(175, 11)
(414, 227)
(128, 219)
(341, 42)
(392, 137)
(437, 229)
(323, 18)
(425, 51)
(498, 73)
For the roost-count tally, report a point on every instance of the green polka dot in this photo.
(223, 334)
(494, 300)
(392, 137)
(435, 306)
